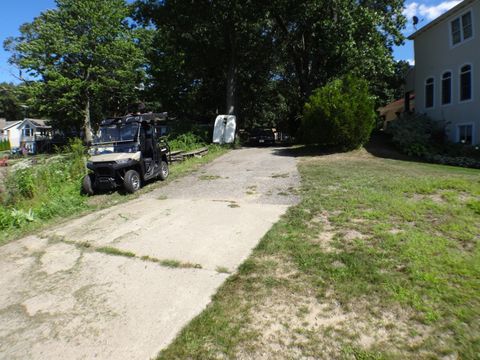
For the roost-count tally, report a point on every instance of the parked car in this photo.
(126, 152)
(261, 137)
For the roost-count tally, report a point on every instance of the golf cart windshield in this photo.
(116, 133)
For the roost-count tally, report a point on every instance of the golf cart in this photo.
(126, 152)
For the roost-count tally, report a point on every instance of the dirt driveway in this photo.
(120, 283)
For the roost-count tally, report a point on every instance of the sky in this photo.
(14, 13)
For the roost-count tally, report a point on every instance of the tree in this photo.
(266, 56)
(208, 55)
(319, 40)
(340, 113)
(10, 102)
(85, 59)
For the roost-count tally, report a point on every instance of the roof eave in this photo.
(441, 18)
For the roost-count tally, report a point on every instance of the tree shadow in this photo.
(305, 151)
(380, 145)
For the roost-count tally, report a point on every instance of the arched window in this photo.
(429, 91)
(466, 83)
(446, 88)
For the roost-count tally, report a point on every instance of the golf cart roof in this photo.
(150, 118)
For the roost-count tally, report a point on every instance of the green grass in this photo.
(386, 245)
(49, 192)
(115, 252)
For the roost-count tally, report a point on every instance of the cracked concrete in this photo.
(61, 299)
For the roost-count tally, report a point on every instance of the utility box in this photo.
(224, 129)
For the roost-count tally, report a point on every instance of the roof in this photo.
(395, 106)
(441, 18)
(9, 124)
(39, 123)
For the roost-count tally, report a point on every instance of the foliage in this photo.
(339, 114)
(418, 135)
(11, 99)
(317, 41)
(186, 142)
(412, 134)
(273, 53)
(43, 191)
(4, 145)
(84, 58)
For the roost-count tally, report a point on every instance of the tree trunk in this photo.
(87, 128)
(232, 77)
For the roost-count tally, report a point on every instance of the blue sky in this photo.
(13, 13)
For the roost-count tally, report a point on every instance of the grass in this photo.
(50, 192)
(209, 177)
(115, 252)
(380, 260)
(171, 263)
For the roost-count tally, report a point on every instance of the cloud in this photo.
(428, 12)
(411, 62)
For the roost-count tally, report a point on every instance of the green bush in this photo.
(413, 134)
(340, 114)
(4, 145)
(186, 142)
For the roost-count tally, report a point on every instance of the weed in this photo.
(209, 177)
(114, 251)
(222, 269)
(283, 176)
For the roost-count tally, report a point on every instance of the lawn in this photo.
(380, 260)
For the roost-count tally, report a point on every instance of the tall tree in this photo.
(322, 39)
(85, 59)
(10, 102)
(206, 50)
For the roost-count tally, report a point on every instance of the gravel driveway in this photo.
(122, 282)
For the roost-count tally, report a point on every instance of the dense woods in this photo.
(261, 61)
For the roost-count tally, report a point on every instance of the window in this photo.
(465, 83)
(429, 91)
(467, 26)
(456, 32)
(465, 134)
(446, 88)
(461, 28)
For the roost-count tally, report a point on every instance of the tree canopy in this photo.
(83, 60)
(197, 58)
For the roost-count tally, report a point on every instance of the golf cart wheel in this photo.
(164, 171)
(132, 181)
(87, 186)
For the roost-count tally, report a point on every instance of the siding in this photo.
(433, 56)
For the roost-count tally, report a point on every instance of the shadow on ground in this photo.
(379, 145)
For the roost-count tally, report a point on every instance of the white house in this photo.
(27, 133)
(446, 79)
(6, 126)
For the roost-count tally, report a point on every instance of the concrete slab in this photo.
(100, 306)
(206, 232)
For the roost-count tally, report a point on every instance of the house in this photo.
(31, 134)
(446, 78)
(5, 127)
(394, 109)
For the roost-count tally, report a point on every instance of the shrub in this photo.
(339, 114)
(186, 142)
(412, 134)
